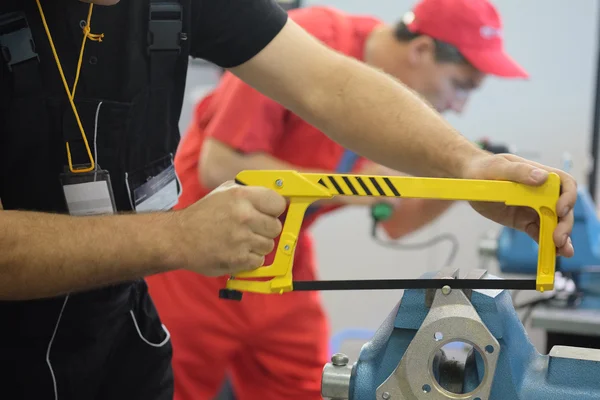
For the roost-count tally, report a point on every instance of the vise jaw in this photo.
(451, 318)
(405, 359)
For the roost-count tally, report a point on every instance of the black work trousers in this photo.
(102, 345)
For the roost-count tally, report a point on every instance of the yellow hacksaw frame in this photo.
(303, 189)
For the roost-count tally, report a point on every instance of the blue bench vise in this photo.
(517, 253)
(405, 358)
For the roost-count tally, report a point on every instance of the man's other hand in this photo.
(230, 230)
(513, 168)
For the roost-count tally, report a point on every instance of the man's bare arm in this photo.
(361, 108)
(410, 214)
(413, 214)
(219, 163)
(379, 118)
(45, 255)
(229, 230)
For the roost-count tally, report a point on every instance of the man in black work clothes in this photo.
(98, 139)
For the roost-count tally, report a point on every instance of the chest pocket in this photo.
(135, 134)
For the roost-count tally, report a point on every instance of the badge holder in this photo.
(155, 187)
(88, 193)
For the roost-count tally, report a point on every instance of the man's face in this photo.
(446, 85)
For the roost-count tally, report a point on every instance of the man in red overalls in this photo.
(274, 347)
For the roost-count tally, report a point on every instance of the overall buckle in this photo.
(16, 40)
(165, 27)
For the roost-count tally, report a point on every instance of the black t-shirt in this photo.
(124, 101)
(230, 32)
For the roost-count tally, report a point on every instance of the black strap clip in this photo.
(165, 27)
(16, 41)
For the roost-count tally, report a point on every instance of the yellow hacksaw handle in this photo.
(302, 189)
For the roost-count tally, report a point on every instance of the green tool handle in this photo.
(381, 211)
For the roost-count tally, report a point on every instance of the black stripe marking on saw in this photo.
(392, 187)
(376, 184)
(350, 185)
(322, 182)
(397, 284)
(364, 186)
(335, 184)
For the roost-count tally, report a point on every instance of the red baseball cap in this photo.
(474, 27)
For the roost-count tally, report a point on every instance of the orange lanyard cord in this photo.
(70, 94)
(86, 35)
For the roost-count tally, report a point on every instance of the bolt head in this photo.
(340, 359)
(446, 290)
(286, 247)
(385, 395)
(279, 182)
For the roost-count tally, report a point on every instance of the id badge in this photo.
(160, 193)
(88, 193)
(155, 188)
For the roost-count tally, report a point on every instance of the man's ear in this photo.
(421, 50)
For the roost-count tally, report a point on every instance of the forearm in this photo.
(361, 108)
(219, 163)
(43, 255)
(387, 123)
(412, 215)
(216, 169)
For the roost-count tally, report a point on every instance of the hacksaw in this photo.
(303, 189)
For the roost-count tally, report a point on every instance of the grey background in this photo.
(555, 40)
